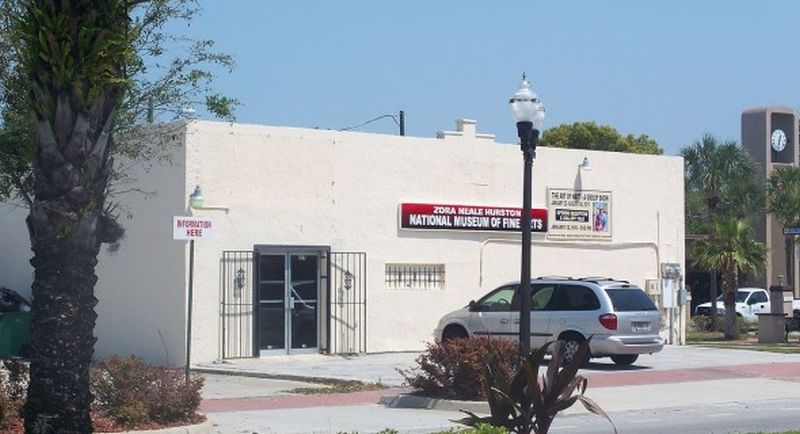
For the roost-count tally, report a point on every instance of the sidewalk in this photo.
(372, 368)
(369, 368)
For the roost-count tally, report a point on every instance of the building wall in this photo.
(141, 287)
(16, 271)
(343, 189)
(291, 186)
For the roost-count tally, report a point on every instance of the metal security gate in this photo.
(236, 275)
(344, 310)
(347, 298)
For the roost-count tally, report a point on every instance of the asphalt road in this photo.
(738, 417)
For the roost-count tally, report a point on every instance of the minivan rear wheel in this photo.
(624, 359)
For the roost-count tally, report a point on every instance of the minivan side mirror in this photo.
(473, 306)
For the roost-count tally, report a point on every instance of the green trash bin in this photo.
(15, 324)
(15, 334)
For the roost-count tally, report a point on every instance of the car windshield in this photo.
(630, 299)
(741, 296)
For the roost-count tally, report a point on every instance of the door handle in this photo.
(516, 321)
(503, 321)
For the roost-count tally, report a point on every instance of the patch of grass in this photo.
(383, 431)
(785, 348)
(481, 428)
(777, 432)
(748, 342)
(338, 387)
(695, 337)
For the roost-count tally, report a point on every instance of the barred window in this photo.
(415, 276)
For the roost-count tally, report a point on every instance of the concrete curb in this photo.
(201, 428)
(424, 402)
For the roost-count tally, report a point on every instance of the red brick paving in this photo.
(762, 370)
(626, 378)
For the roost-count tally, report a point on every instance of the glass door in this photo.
(287, 301)
(271, 303)
(303, 296)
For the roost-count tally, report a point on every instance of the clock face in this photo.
(778, 140)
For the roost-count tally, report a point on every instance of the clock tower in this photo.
(770, 136)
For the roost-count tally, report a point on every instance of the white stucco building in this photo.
(330, 241)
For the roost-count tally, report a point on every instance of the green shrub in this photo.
(481, 428)
(135, 394)
(526, 403)
(702, 323)
(454, 369)
(13, 385)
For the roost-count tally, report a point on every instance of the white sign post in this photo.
(191, 228)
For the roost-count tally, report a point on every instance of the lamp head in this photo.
(196, 198)
(525, 105)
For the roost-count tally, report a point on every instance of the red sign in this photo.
(468, 217)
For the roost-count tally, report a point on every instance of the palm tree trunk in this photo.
(76, 52)
(66, 227)
(713, 292)
(59, 399)
(730, 286)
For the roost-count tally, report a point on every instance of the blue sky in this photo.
(673, 70)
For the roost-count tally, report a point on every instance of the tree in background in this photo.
(590, 135)
(720, 182)
(166, 74)
(783, 201)
(75, 76)
(731, 248)
(723, 174)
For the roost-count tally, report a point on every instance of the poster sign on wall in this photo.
(468, 217)
(579, 214)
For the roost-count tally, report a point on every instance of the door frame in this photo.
(322, 253)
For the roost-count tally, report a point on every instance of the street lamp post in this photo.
(528, 112)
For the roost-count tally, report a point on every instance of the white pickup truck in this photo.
(749, 302)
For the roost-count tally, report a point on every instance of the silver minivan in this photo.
(622, 320)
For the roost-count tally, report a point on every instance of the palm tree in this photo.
(783, 201)
(719, 171)
(721, 174)
(74, 54)
(731, 248)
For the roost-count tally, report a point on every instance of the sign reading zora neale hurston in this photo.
(579, 214)
(468, 217)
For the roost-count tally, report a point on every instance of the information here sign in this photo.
(579, 214)
(468, 217)
(192, 228)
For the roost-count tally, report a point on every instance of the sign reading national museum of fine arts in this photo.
(468, 217)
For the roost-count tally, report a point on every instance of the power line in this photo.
(394, 118)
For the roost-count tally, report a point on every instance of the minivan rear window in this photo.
(630, 299)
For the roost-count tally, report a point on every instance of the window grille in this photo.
(415, 276)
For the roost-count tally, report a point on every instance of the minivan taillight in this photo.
(609, 321)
